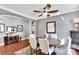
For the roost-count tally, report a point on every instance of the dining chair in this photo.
(33, 44)
(44, 46)
(65, 47)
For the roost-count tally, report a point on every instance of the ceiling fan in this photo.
(46, 10)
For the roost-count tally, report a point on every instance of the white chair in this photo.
(64, 48)
(33, 43)
(44, 46)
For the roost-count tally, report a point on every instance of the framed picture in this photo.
(51, 27)
(20, 28)
(11, 29)
(2, 27)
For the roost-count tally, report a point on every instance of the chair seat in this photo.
(51, 49)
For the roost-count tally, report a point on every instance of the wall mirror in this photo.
(11, 29)
(20, 28)
(51, 27)
(2, 27)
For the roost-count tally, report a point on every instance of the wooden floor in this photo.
(10, 49)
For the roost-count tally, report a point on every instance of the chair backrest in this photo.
(63, 41)
(33, 42)
(67, 44)
(44, 45)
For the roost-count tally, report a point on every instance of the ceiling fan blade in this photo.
(37, 11)
(54, 11)
(40, 15)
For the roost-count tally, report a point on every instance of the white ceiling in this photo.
(27, 9)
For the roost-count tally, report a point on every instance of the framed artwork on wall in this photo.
(2, 27)
(51, 27)
(11, 29)
(20, 28)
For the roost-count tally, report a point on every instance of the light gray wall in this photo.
(14, 21)
(62, 26)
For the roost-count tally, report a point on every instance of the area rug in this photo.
(24, 51)
(73, 52)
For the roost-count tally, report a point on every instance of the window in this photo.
(2, 27)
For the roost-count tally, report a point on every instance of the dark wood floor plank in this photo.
(10, 49)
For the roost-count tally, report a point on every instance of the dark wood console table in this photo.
(11, 39)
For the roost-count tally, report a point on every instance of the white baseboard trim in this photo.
(1, 44)
(25, 38)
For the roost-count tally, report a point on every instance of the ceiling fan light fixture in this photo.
(45, 14)
(48, 15)
(46, 11)
(48, 6)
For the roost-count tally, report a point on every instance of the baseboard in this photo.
(25, 38)
(1, 44)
